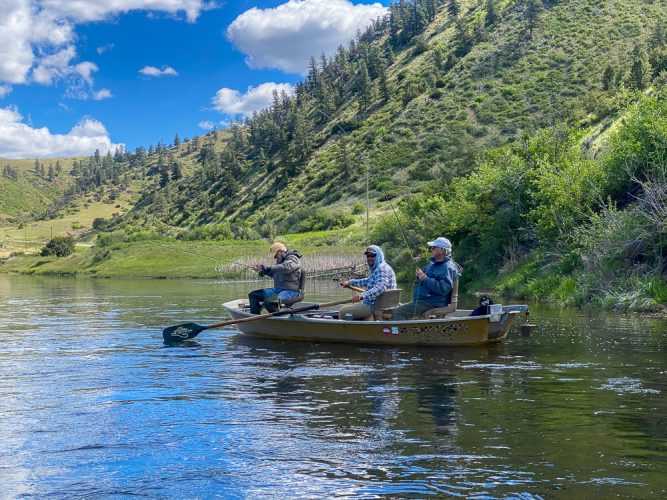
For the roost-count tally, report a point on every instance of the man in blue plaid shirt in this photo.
(382, 278)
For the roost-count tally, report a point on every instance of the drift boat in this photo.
(456, 329)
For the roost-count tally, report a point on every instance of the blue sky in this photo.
(81, 75)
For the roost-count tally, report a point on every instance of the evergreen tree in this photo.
(364, 87)
(343, 158)
(383, 84)
(608, 78)
(37, 167)
(533, 9)
(453, 8)
(176, 171)
(491, 15)
(59, 168)
(177, 142)
(50, 175)
(639, 70)
(164, 177)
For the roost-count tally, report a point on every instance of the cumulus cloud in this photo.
(157, 72)
(96, 10)
(20, 140)
(206, 125)
(287, 36)
(5, 89)
(102, 94)
(232, 102)
(37, 36)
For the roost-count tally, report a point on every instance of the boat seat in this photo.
(441, 312)
(385, 303)
(287, 303)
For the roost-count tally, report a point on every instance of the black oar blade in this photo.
(179, 333)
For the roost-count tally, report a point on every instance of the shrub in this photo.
(100, 223)
(60, 246)
(323, 219)
(357, 209)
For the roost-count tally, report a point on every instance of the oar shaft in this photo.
(277, 313)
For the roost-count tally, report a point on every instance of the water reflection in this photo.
(95, 405)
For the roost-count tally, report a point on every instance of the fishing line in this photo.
(398, 220)
(368, 169)
(219, 263)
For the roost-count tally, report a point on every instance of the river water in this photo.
(93, 404)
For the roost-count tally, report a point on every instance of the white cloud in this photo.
(287, 36)
(105, 48)
(232, 102)
(157, 72)
(37, 37)
(96, 10)
(102, 94)
(206, 125)
(19, 140)
(5, 89)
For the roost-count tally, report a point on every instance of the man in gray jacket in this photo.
(286, 274)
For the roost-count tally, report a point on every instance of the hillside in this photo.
(506, 124)
(415, 108)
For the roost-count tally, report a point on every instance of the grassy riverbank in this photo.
(180, 259)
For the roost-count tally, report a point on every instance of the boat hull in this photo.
(462, 330)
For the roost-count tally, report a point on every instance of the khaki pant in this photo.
(358, 311)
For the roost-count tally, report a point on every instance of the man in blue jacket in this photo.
(435, 282)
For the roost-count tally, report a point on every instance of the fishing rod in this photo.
(398, 220)
(217, 261)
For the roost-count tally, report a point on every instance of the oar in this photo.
(188, 331)
(355, 288)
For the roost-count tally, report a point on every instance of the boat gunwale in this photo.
(303, 318)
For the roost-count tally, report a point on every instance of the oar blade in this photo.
(179, 333)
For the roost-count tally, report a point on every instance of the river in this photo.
(93, 404)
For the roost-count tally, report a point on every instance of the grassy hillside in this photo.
(504, 124)
(417, 110)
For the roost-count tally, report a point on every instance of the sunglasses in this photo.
(369, 254)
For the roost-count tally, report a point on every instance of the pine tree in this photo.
(453, 8)
(533, 9)
(176, 171)
(364, 86)
(177, 142)
(491, 15)
(383, 84)
(608, 78)
(639, 70)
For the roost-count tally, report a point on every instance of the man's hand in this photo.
(356, 298)
(345, 283)
(259, 268)
(420, 275)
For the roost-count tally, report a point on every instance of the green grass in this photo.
(179, 259)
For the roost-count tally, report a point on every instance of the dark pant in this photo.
(257, 299)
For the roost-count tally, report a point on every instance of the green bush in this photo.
(210, 232)
(324, 219)
(60, 246)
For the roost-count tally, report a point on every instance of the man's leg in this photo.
(411, 310)
(256, 298)
(272, 299)
(358, 311)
